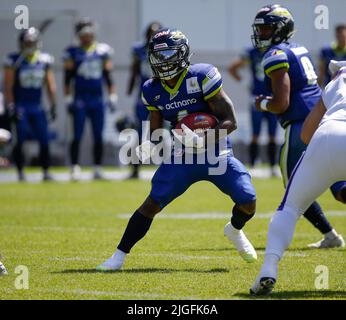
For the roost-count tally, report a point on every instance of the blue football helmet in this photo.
(29, 40)
(276, 18)
(169, 53)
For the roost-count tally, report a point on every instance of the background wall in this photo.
(218, 31)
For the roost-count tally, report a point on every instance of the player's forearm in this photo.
(51, 88)
(8, 86)
(223, 108)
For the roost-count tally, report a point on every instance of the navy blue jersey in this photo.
(196, 85)
(89, 66)
(140, 53)
(331, 52)
(29, 76)
(254, 57)
(305, 92)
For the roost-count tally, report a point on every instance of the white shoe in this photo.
(327, 242)
(263, 286)
(76, 172)
(242, 244)
(114, 263)
(3, 270)
(98, 175)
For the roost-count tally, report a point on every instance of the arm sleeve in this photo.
(274, 60)
(212, 83)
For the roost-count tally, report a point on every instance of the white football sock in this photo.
(281, 230)
(119, 255)
(331, 234)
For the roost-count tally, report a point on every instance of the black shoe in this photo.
(264, 287)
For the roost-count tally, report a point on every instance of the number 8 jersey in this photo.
(305, 92)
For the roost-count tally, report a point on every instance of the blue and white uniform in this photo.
(196, 84)
(254, 57)
(305, 93)
(140, 53)
(88, 87)
(29, 81)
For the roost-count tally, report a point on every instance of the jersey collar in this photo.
(33, 58)
(177, 85)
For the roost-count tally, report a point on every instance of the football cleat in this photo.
(3, 270)
(326, 242)
(242, 244)
(263, 286)
(112, 264)
(76, 173)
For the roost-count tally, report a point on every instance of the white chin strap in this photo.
(334, 66)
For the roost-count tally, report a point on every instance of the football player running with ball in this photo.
(292, 81)
(177, 90)
(322, 165)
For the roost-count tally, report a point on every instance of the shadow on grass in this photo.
(317, 294)
(144, 270)
(259, 249)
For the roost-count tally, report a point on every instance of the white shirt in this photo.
(334, 97)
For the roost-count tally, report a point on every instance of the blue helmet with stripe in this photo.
(273, 24)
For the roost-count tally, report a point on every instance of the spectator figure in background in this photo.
(88, 68)
(252, 57)
(140, 72)
(334, 51)
(26, 73)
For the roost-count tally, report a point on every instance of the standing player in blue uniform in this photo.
(88, 68)
(335, 51)
(253, 58)
(141, 72)
(179, 89)
(26, 74)
(291, 78)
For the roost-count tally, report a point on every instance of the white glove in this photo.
(113, 102)
(189, 138)
(145, 151)
(5, 136)
(334, 66)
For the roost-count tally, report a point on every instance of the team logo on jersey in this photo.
(157, 98)
(212, 73)
(192, 85)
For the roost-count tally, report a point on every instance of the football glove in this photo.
(112, 102)
(189, 138)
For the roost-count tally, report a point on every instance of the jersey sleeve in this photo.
(324, 54)
(274, 60)
(211, 83)
(146, 97)
(67, 55)
(47, 59)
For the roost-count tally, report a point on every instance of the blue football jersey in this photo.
(29, 77)
(195, 86)
(140, 53)
(89, 65)
(254, 57)
(305, 92)
(331, 52)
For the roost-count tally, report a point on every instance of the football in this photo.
(198, 122)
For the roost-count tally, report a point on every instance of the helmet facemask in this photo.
(169, 62)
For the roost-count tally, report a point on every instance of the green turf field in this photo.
(61, 231)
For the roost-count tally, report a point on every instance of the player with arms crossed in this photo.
(321, 165)
(179, 89)
(27, 72)
(291, 78)
(88, 67)
(253, 58)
